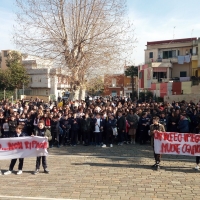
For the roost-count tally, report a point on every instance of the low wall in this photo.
(27, 97)
(187, 97)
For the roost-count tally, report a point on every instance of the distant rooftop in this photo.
(171, 41)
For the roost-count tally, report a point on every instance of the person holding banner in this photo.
(42, 132)
(156, 126)
(197, 157)
(18, 133)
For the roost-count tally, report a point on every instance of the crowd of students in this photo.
(103, 122)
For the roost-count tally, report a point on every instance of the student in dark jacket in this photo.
(111, 123)
(121, 126)
(66, 126)
(143, 128)
(2, 121)
(173, 123)
(12, 123)
(42, 132)
(18, 133)
(86, 129)
(29, 125)
(183, 124)
(54, 131)
(74, 130)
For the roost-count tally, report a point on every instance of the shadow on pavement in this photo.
(181, 169)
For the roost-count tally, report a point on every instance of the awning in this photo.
(159, 69)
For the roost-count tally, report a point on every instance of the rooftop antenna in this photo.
(173, 35)
(192, 32)
(174, 32)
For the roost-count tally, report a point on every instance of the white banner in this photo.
(21, 147)
(177, 143)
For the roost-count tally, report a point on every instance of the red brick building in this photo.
(118, 85)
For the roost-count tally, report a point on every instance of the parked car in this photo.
(66, 96)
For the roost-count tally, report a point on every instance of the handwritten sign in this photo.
(177, 143)
(22, 147)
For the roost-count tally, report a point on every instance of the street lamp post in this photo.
(23, 89)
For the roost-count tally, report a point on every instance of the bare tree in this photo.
(80, 35)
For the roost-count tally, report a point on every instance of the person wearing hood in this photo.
(183, 124)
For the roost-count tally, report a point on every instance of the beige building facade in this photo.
(174, 66)
(163, 57)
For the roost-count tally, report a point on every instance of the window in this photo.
(169, 54)
(114, 82)
(150, 54)
(173, 53)
(140, 75)
(5, 53)
(165, 54)
(114, 93)
(183, 74)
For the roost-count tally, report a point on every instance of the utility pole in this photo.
(138, 82)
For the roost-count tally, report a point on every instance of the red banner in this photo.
(177, 143)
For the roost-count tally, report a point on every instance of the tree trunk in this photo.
(74, 95)
(75, 88)
(4, 94)
(16, 94)
(82, 93)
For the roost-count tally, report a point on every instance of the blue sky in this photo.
(153, 20)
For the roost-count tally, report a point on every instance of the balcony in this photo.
(116, 86)
(62, 86)
(167, 80)
(160, 80)
(128, 86)
(170, 60)
(154, 80)
(161, 64)
(194, 57)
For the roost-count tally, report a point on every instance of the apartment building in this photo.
(171, 65)
(45, 79)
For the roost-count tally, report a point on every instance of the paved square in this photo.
(121, 172)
